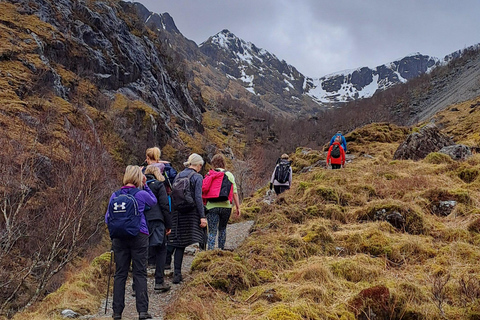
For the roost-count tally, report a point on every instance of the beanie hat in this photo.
(193, 160)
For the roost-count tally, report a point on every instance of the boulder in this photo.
(457, 151)
(419, 144)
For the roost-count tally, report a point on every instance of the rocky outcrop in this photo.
(98, 43)
(419, 144)
(457, 151)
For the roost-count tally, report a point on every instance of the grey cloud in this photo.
(323, 36)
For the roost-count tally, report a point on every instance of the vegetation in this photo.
(323, 250)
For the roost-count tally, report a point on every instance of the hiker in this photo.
(166, 169)
(336, 154)
(218, 208)
(153, 157)
(343, 141)
(282, 175)
(159, 225)
(188, 215)
(131, 250)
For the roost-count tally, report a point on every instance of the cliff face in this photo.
(97, 43)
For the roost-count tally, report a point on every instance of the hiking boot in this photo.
(117, 316)
(144, 315)
(177, 278)
(162, 287)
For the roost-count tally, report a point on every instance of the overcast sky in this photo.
(319, 37)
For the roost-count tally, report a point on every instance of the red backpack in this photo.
(217, 187)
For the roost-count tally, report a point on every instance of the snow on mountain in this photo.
(364, 82)
(260, 72)
(263, 74)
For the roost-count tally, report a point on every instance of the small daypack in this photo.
(335, 153)
(170, 173)
(216, 187)
(182, 198)
(123, 219)
(282, 171)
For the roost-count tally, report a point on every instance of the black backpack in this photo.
(282, 171)
(123, 218)
(182, 198)
(335, 153)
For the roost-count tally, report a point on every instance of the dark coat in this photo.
(186, 226)
(159, 216)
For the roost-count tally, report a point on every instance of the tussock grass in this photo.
(323, 250)
(80, 293)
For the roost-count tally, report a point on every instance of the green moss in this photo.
(438, 158)
(282, 312)
(327, 193)
(265, 275)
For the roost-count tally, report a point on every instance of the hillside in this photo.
(324, 250)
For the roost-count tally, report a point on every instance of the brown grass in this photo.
(326, 251)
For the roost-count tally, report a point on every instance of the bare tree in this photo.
(51, 224)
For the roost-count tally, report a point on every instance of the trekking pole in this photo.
(108, 282)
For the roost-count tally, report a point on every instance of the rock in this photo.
(443, 208)
(396, 220)
(457, 151)
(419, 144)
(67, 313)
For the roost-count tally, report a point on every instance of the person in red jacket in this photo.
(336, 154)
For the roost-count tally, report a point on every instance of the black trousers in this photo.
(336, 166)
(160, 256)
(134, 251)
(280, 189)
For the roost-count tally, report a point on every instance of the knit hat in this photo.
(193, 160)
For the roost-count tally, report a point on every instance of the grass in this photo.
(323, 252)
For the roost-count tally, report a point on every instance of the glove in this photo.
(271, 186)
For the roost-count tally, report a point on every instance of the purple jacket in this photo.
(143, 197)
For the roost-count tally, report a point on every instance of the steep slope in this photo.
(460, 83)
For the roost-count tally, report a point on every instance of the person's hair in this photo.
(284, 156)
(154, 153)
(133, 175)
(151, 169)
(193, 160)
(218, 161)
(339, 132)
(338, 139)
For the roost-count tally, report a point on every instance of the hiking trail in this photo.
(236, 234)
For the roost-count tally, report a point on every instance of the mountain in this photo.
(274, 80)
(259, 71)
(364, 82)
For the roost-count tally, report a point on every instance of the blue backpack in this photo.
(123, 219)
(170, 174)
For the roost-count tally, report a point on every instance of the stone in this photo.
(457, 151)
(67, 313)
(419, 144)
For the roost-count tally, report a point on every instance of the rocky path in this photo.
(236, 234)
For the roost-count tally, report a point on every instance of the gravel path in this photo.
(236, 234)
